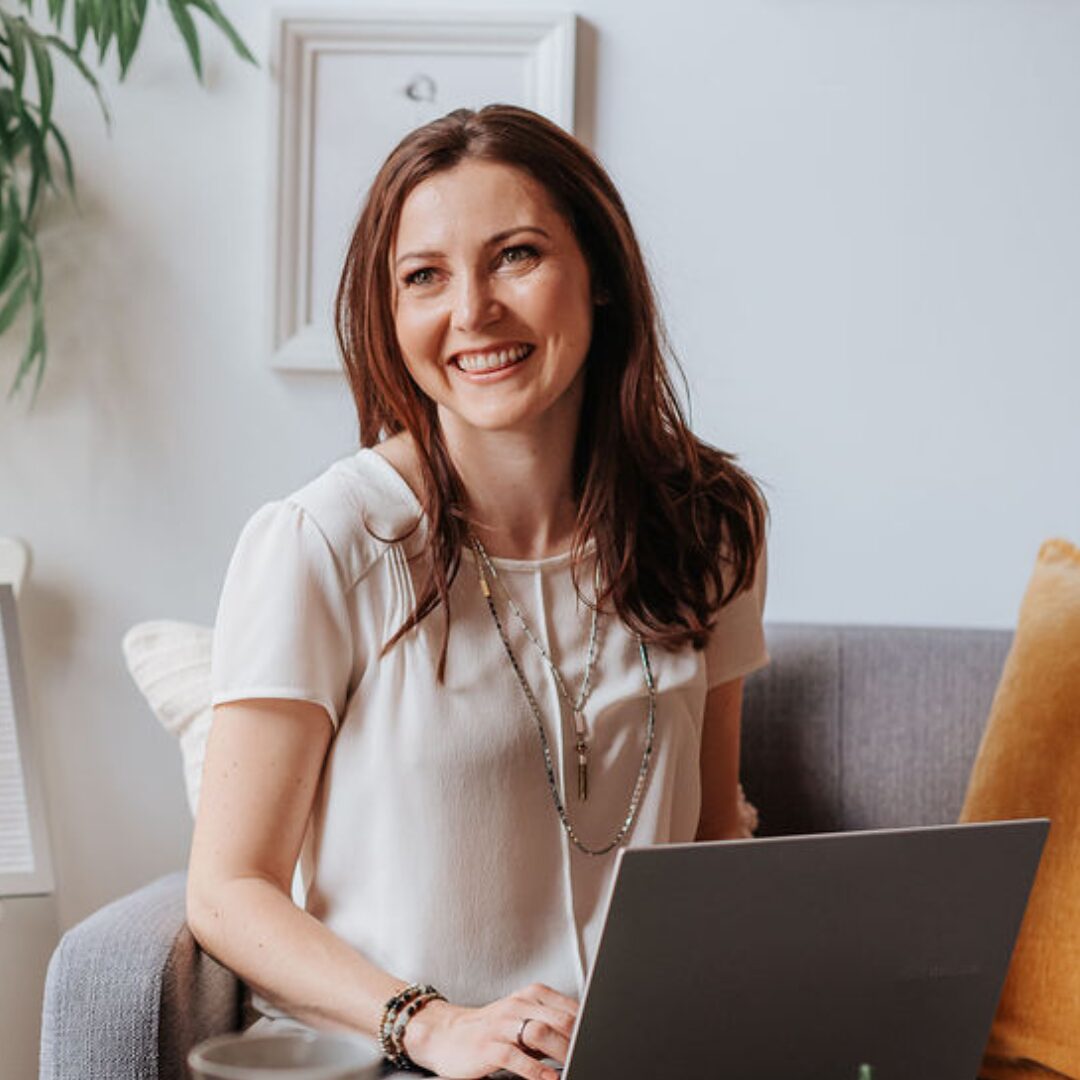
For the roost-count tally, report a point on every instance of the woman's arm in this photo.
(263, 763)
(720, 819)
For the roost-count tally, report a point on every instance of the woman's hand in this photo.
(461, 1044)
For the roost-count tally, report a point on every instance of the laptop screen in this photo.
(875, 953)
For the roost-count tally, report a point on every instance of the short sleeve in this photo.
(736, 645)
(283, 628)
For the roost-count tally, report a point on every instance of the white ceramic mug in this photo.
(292, 1055)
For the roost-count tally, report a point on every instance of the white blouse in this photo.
(434, 847)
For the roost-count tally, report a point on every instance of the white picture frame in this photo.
(25, 861)
(347, 85)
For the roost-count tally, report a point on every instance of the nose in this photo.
(475, 304)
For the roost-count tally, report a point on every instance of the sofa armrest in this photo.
(129, 992)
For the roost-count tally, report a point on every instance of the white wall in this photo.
(864, 223)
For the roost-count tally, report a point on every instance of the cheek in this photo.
(415, 344)
(563, 306)
(577, 317)
(416, 329)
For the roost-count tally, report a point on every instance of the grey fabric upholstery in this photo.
(866, 727)
(129, 992)
(848, 728)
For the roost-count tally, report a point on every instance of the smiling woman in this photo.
(492, 329)
(481, 303)
(456, 671)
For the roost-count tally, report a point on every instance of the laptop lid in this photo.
(807, 956)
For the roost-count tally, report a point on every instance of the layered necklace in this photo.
(485, 569)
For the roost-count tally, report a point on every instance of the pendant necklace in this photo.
(576, 705)
(485, 566)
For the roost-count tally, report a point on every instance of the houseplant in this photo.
(31, 142)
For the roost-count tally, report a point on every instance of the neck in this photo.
(519, 489)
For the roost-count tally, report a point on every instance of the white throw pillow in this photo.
(170, 663)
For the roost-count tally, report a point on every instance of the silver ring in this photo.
(520, 1040)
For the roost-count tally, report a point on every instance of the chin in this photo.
(493, 419)
(497, 423)
(510, 415)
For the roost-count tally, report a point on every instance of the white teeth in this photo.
(493, 360)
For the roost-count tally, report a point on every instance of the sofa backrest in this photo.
(866, 727)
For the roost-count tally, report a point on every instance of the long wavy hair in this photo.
(678, 526)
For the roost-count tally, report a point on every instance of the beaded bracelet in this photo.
(397, 1037)
(391, 1032)
(389, 1014)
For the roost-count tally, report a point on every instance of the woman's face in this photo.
(492, 300)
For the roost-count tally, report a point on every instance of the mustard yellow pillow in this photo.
(1028, 765)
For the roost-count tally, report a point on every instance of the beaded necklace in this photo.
(485, 566)
(577, 705)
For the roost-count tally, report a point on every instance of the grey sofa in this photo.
(848, 728)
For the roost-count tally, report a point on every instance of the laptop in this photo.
(837, 956)
(876, 955)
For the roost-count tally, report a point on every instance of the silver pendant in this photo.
(582, 771)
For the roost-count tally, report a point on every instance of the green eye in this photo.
(417, 276)
(519, 253)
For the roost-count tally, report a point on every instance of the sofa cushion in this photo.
(1027, 766)
(866, 727)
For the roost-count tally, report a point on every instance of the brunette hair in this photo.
(678, 526)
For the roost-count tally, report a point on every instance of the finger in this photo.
(520, 1064)
(544, 995)
(542, 1040)
(540, 1014)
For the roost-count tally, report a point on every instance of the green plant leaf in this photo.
(82, 24)
(105, 29)
(65, 154)
(17, 45)
(9, 122)
(9, 258)
(130, 24)
(188, 32)
(8, 152)
(10, 248)
(40, 134)
(62, 46)
(40, 170)
(5, 47)
(27, 126)
(210, 9)
(14, 302)
(43, 69)
(34, 356)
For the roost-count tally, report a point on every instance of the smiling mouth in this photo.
(496, 360)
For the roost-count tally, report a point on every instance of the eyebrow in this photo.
(487, 243)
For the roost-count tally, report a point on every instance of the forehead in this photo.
(471, 201)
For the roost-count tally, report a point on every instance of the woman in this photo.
(453, 673)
